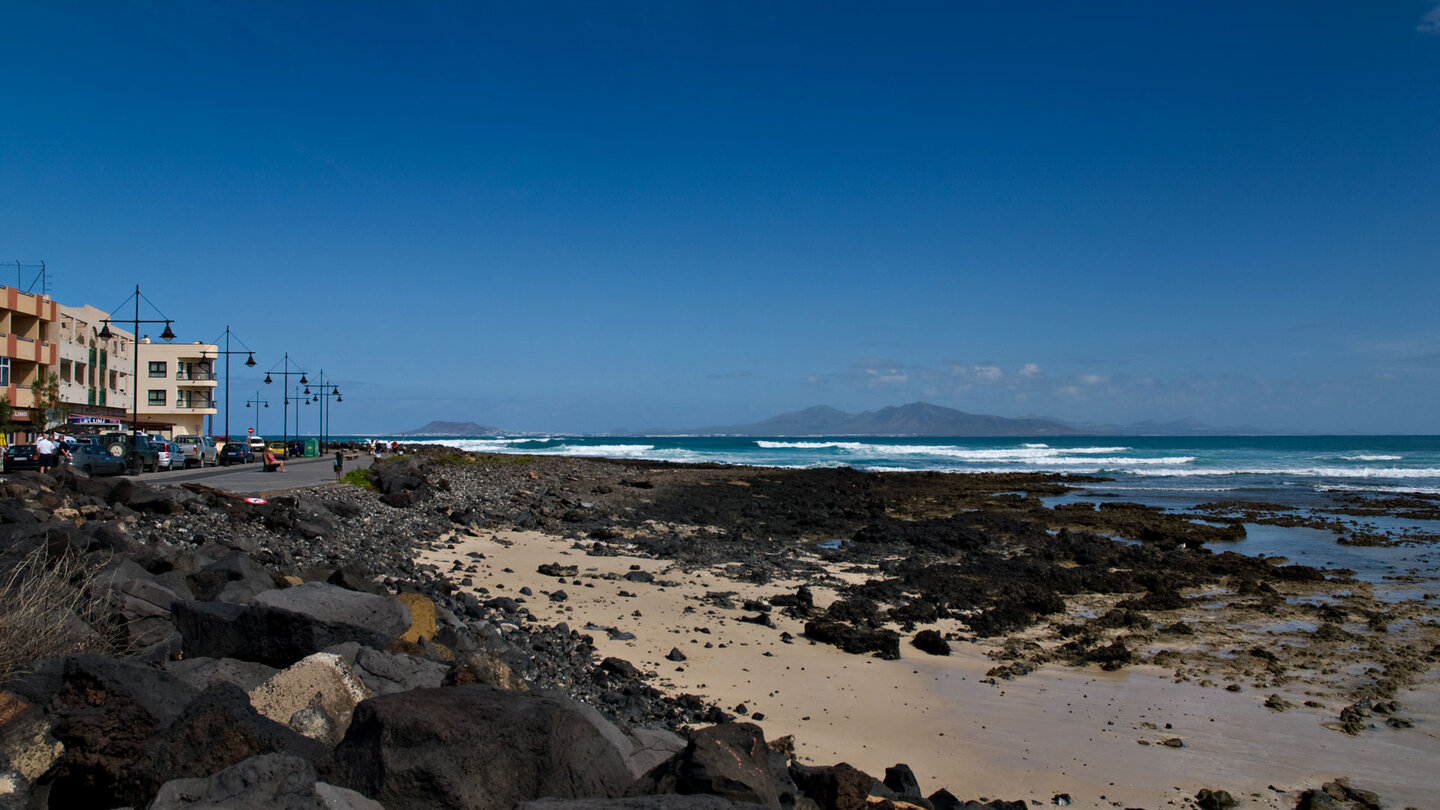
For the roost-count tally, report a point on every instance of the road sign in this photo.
(251, 431)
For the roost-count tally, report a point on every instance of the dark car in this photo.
(21, 457)
(236, 453)
(96, 460)
(138, 449)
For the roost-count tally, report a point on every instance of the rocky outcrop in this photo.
(237, 638)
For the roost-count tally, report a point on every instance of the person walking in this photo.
(339, 464)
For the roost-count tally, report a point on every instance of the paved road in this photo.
(251, 479)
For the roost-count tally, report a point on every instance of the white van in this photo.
(257, 444)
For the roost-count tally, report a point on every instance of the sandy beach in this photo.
(1138, 737)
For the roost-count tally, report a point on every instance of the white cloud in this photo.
(1029, 371)
(870, 373)
(1430, 23)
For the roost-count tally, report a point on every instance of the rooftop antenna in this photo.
(37, 273)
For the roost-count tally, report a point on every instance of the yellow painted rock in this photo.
(422, 617)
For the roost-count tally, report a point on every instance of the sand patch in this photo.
(1100, 737)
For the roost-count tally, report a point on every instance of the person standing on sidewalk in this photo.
(45, 449)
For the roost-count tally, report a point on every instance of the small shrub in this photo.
(359, 478)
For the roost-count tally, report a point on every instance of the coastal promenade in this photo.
(251, 479)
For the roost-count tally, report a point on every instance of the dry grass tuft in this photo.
(45, 611)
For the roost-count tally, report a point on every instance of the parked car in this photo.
(278, 448)
(257, 445)
(166, 457)
(145, 457)
(21, 457)
(198, 450)
(236, 453)
(96, 460)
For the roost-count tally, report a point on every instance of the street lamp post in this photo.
(297, 400)
(249, 361)
(106, 334)
(285, 374)
(323, 398)
(257, 402)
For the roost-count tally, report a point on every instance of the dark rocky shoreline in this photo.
(204, 606)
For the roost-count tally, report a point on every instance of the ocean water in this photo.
(1290, 467)
(1305, 472)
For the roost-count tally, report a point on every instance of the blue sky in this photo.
(598, 216)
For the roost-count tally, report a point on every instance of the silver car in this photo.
(170, 456)
(198, 450)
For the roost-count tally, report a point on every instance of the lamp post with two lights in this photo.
(105, 334)
(323, 398)
(285, 374)
(257, 402)
(249, 362)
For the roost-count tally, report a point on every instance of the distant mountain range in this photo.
(924, 419)
(915, 419)
(438, 428)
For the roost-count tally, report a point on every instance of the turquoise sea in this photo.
(1287, 467)
(1306, 472)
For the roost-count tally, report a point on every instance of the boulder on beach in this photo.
(834, 787)
(279, 627)
(932, 642)
(477, 748)
(730, 760)
(325, 682)
(272, 781)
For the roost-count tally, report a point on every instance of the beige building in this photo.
(94, 372)
(176, 386)
(27, 354)
(175, 383)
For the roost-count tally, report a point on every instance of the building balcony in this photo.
(195, 375)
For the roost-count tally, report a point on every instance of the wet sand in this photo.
(1098, 736)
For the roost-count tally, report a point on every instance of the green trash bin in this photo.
(312, 448)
